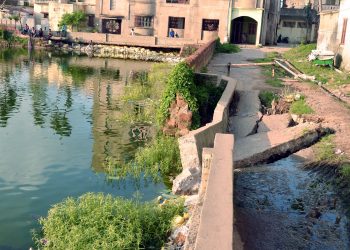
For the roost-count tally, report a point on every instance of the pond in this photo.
(58, 125)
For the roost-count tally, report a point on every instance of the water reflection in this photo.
(59, 116)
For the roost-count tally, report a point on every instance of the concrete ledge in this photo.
(123, 40)
(216, 220)
(192, 144)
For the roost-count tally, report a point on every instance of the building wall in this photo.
(330, 33)
(270, 22)
(56, 9)
(295, 34)
(256, 14)
(344, 49)
(328, 29)
(194, 12)
(266, 13)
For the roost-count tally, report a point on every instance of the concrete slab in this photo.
(247, 114)
(274, 122)
(276, 144)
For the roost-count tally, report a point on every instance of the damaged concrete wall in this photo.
(192, 144)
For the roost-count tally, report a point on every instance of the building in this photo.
(299, 25)
(48, 13)
(334, 33)
(191, 19)
(254, 21)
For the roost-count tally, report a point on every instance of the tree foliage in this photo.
(74, 19)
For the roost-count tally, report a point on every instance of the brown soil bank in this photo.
(333, 113)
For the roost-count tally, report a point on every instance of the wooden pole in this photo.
(233, 65)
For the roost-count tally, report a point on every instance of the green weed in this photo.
(226, 47)
(159, 158)
(266, 98)
(300, 107)
(98, 221)
(345, 171)
(325, 150)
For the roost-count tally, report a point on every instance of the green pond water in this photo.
(58, 125)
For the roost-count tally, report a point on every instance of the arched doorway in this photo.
(243, 30)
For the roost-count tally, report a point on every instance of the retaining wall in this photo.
(204, 136)
(192, 144)
(215, 230)
(202, 56)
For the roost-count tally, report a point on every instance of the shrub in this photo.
(161, 155)
(97, 221)
(266, 98)
(226, 47)
(158, 158)
(181, 81)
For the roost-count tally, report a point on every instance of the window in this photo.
(302, 25)
(144, 21)
(176, 22)
(210, 25)
(343, 34)
(289, 24)
(91, 20)
(330, 2)
(46, 15)
(112, 4)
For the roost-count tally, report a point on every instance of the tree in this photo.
(15, 18)
(74, 19)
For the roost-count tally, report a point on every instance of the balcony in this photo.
(44, 1)
(328, 7)
(178, 1)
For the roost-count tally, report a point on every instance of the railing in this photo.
(45, 1)
(178, 1)
(326, 7)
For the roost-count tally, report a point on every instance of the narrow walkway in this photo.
(250, 81)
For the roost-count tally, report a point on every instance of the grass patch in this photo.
(266, 98)
(300, 107)
(325, 150)
(226, 47)
(141, 98)
(162, 156)
(275, 80)
(345, 171)
(269, 57)
(97, 221)
(158, 160)
(298, 57)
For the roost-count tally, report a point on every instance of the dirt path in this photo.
(334, 113)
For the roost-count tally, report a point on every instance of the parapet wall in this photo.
(143, 41)
(202, 56)
(192, 144)
(215, 229)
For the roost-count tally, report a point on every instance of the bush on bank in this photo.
(10, 39)
(97, 221)
(180, 81)
(226, 47)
